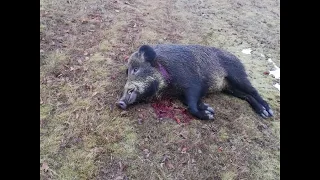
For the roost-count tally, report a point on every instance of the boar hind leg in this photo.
(243, 89)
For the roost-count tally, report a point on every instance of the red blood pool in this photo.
(164, 108)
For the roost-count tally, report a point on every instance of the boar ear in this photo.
(148, 53)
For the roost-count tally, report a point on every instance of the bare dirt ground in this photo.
(83, 47)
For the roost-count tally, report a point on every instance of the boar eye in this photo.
(135, 69)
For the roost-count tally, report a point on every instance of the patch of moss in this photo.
(228, 175)
(45, 111)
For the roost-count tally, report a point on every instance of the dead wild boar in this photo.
(188, 72)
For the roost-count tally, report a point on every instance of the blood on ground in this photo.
(164, 108)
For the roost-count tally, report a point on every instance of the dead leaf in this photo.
(41, 122)
(161, 165)
(193, 161)
(185, 162)
(184, 150)
(96, 150)
(119, 178)
(79, 61)
(95, 93)
(262, 126)
(44, 167)
(117, 10)
(84, 21)
(101, 107)
(165, 158)
(177, 119)
(122, 167)
(88, 86)
(169, 165)
(111, 107)
(146, 153)
(183, 136)
(123, 113)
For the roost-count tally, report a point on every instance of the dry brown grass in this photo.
(83, 136)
